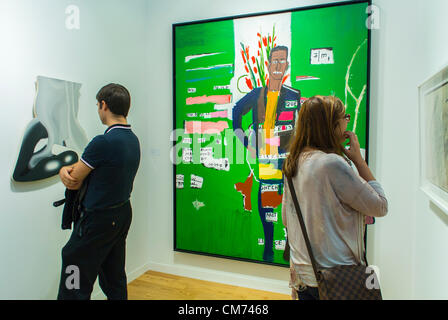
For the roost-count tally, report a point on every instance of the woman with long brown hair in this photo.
(333, 198)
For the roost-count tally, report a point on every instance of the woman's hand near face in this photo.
(354, 150)
(354, 154)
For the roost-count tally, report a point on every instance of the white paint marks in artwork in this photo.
(187, 155)
(217, 164)
(198, 204)
(198, 56)
(322, 56)
(218, 66)
(349, 90)
(206, 158)
(179, 181)
(191, 90)
(206, 153)
(271, 217)
(269, 187)
(227, 87)
(260, 242)
(196, 182)
(187, 140)
(280, 245)
(306, 78)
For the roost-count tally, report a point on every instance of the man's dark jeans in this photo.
(97, 247)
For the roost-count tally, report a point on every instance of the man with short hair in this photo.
(97, 245)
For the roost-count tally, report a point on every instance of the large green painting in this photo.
(238, 86)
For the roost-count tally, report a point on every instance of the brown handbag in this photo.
(343, 282)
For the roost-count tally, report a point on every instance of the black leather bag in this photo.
(343, 282)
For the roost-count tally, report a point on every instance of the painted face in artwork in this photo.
(278, 65)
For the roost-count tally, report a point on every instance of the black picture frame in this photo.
(305, 8)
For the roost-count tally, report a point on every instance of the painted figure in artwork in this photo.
(274, 110)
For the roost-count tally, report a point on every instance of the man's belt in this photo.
(106, 208)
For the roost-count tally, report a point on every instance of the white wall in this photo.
(109, 47)
(410, 244)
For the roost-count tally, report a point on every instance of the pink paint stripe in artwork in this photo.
(205, 127)
(286, 116)
(223, 99)
(219, 114)
(273, 141)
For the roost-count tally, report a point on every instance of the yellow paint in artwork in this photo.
(268, 171)
(271, 110)
(270, 116)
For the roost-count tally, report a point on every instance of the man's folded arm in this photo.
(73, 176)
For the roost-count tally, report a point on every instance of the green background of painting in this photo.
(222, 227)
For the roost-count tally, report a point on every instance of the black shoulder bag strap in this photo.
(292, 191)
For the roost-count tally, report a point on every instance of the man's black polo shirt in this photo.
(114, 158)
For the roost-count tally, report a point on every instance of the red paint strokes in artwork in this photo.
(253, 60)
(242, 54)
(209, 99)
(249, 83)
(286, 116)
(265, 41)
(271, 199)
(246, 189)
(284, 78)
(205, 127)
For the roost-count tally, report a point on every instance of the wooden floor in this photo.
(161, 286)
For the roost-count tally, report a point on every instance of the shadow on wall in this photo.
(33, 186)
(53, 139)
